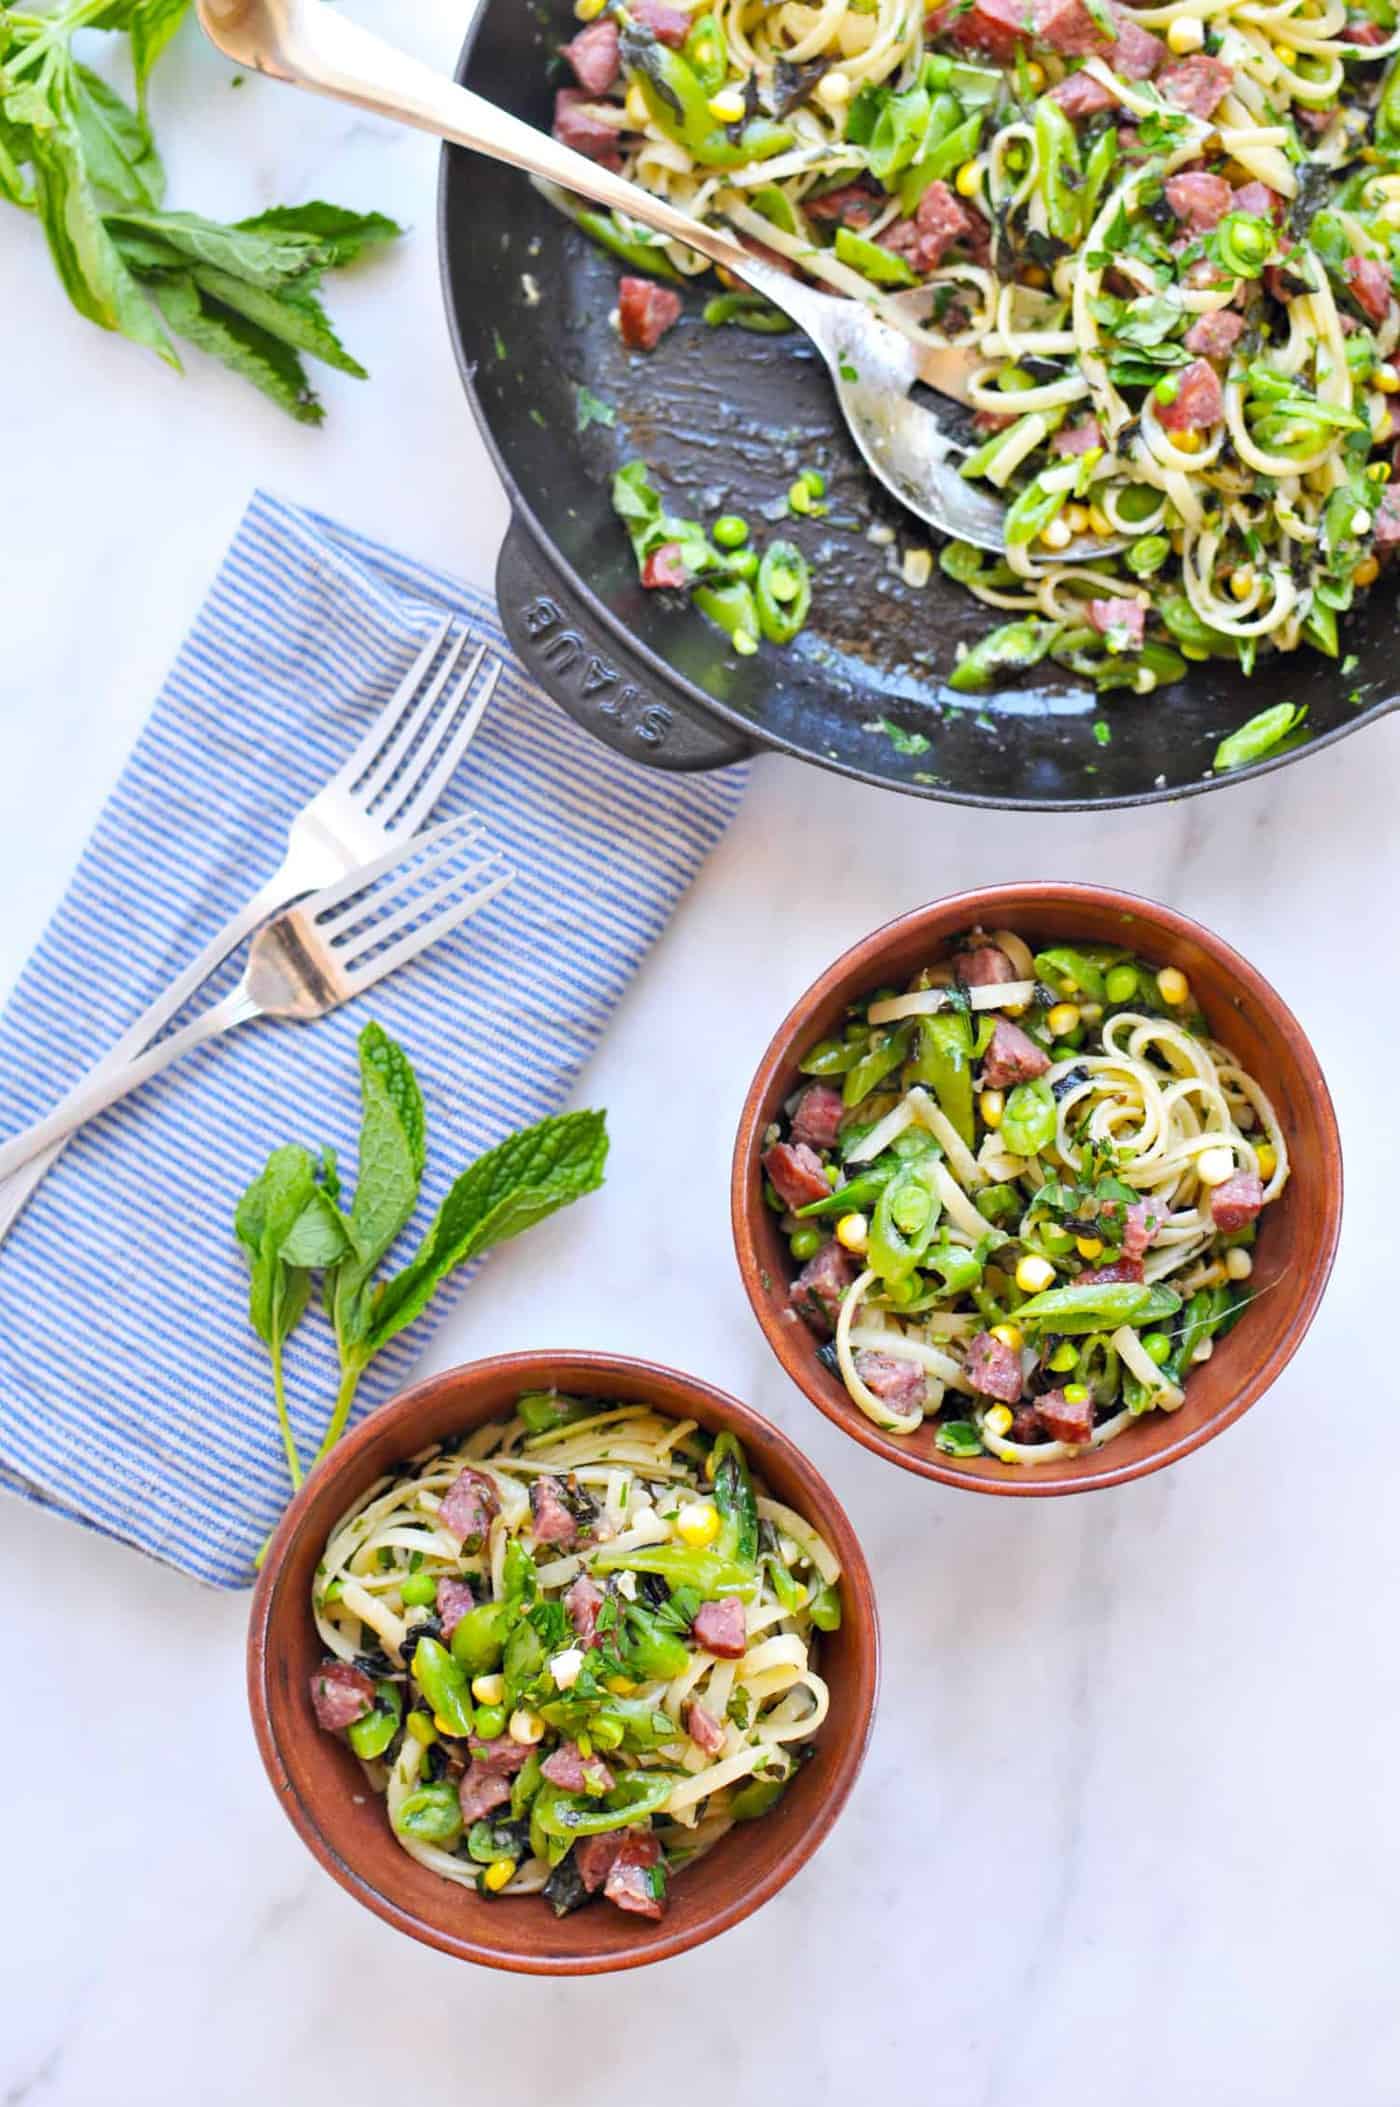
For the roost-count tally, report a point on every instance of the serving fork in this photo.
(381, 796)
(873, 363)
(313, 958)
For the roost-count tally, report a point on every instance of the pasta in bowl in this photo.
(599, 1618)
(1011, 1208)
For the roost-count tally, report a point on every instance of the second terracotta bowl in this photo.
(344, 1825)
(1297, 1234)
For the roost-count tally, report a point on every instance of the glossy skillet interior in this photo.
(322, 1788)
(1297, 1234)
(727, 417)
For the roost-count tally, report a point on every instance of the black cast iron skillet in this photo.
(726, 419)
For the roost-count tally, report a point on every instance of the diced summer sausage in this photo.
(993, 1369)
(1025, 1424)
(998, 27)
(645, 312)
(630, 1876)
(454, 1599)
(1196, 84)
(984, 966)
(1135, 54)
(572, 1771)
(583, 1601)
(1387, 524)
(1258, 199)
(1216, 335)
(593, 55)
(669, 25)
(665, 566)
(1063, 1420)
(817, 1291)
(901, 1384)
(593, 1857)
(1237, 1201)
(939, 223)
(719, 1628)
(1118, 1269)
(1141, 1221)
(1364, 32)
(796, 1174)
(704, 1729)
(1068, 27)
(1201, 201)
(576, 125)
(1082, 96)
(1369, 283)
(550, 1515)
(851, 205)
(818, 1115)
(1121, 619)
(341, 1694)
(1012, 1057)
(1078, 438)
(1198, 401)
(467, 1509)
(481, 1792)
(503, 1756)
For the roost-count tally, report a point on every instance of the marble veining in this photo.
(1127, 1831)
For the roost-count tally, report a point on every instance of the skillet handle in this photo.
(600, 685)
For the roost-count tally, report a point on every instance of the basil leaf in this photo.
(526, 1177)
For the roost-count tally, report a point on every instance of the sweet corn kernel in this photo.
(1268, 1161)
(1089, 1246)
(834, 88)
(421, 1728)
(1214, 1166)
(1173, 986)
(853, 1232)
(1034, 1274)
(1076, 1394)
(968, 180)
(1238, 1263)
(998, 1419)
(1387, 380)
(621, 1685)
(1064, 1357)
(727, 107)
(1099, 522)
(499, 1875)
(991, 1104)
(1379, 472)
(1010, 1335)
(635, 108)
(1187, 34)
(525, 1727)
(697, 1524)
(1062, 1019)
(588, 10)
(1076, 518)
(1286, 55)
(1035, 275)
(1035, 75)
(1187, 442)
(1366, 572)
(1059, 534)
(488, 1689)
(1242, 581)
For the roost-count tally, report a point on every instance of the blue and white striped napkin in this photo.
(132, 1395)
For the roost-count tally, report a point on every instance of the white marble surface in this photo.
(1128, 1830)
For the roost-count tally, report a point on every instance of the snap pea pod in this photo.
(1103, 158)
(563, 1815)
(678, 103)
(489, 1842)
(707, 1572)
(653, 1654)
(527, 1783)
(784, 591)
(371, 1735)
(777, 207)
(1101, 1306)
(734, 1497)
(943, 1060)
(1083, 972)
(887, 1051)
(1209, 1311)
(478, 1639)
(1059, 179)
(789, 1592)
(998, 1203)
(518, 1582)
(732, 607)
(544, 1410)
(443, 1681)
(611, 1723)
(1011, 648)
(1385, 126)
(431, 1815)
(756, 1798)
(834, 1056)
(958, 1268)
(705, 53)
(899, 132)
(959, 146)
(1261, 735)
(825, 1609)
(1028, 1122)
(860, 1193)
(901, 1229)
(880, 266)
(648, 256)
(746, 311)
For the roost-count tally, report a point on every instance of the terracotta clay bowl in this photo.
(1297, 1233)
(323, 1790)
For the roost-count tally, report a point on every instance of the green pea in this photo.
(730, 531)
(490, 1722)
(743, 564)
(1121, 984)
(806, 1242)
(1157, 1346)
(479, 1639)
(1056, 1241)
(1066, 1049)
(419, 1591)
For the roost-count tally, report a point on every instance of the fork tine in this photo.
(361, 936)
(381, 771)
(419, 939)
(385, 722)
(430, 787)
(456, 831)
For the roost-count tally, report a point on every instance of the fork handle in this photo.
(106, 1085)
(268, 900)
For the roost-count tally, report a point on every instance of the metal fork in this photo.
(312, 959)
(381, 796)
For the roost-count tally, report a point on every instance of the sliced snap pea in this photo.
(443, 1682)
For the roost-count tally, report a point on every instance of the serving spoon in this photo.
(873, 364)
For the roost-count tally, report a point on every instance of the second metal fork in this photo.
(380, 797)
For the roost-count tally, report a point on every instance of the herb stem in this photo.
(344, 1399)
(279, 1393)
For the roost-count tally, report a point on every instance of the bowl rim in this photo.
(967, 909)
(270, 1605)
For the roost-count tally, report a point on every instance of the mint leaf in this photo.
(122, 161)
(257, 258)
(525, 1178)
(272, 367)
(292, 314)
(339, 234)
